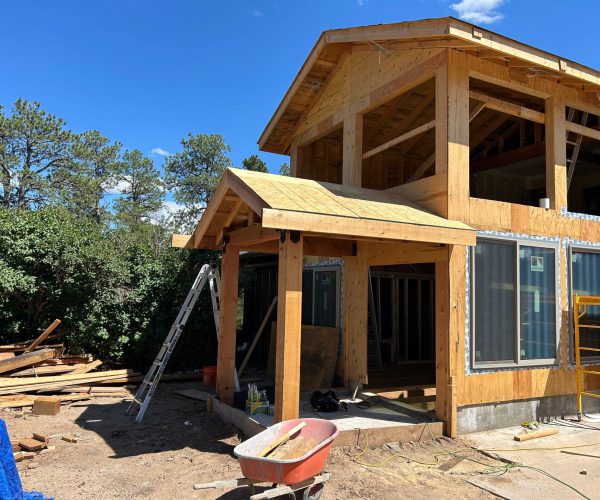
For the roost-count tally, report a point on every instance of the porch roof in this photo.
(319, 208)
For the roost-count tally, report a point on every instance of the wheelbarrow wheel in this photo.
(313, 492)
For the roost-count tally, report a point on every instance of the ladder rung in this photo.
(591, 394)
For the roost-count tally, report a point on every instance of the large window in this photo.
(585, 280)
(514, 303)
(320, 297)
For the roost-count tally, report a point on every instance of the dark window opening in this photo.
(321, 160)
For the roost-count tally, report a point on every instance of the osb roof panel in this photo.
(332, 44)
(308, 196)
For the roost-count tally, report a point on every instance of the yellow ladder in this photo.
(581, 304)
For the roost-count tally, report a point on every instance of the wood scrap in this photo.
(30, 444)
(25, 400)
(87, 368)
(6, 355)
(69, 438)
(43, 336)
(41, 437)
(28, 359)
(23, 455)
(538, 433)
(280, 440)
(294, 448)
(46, 405)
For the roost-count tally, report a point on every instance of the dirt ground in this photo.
(180, 444)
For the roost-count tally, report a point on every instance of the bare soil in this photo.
(180, 444)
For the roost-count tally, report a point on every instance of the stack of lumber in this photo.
(30, 369)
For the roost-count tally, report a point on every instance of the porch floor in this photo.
(371, 426)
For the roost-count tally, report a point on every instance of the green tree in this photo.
(92, 173)
(255, 164)
(35, 145)
(141, 191)
(284, 169)
(193, 173)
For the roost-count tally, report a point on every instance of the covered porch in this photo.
(295, 218)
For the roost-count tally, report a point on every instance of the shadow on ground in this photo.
(172, 422)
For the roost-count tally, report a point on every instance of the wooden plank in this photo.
(400, 139)
(27, 359)
(233, 212)
(87, 368)
(251, 235)
(556, 153)
(527, 435)
(181, 241)
(31, 444)
(289, 322)
(230, 264)
(327, 247)
(43, 336)
(355, 307)
(385, 254)
(352, 150)
(508, 107)
(257, 337)
(582, 130)
(366, 228)
(280, 440)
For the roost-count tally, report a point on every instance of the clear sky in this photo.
(148, 72)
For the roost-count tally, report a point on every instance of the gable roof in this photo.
(447, 32)
(320, 208)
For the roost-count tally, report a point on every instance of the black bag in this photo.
(325, 402)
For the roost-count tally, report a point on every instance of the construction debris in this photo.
(31, 367)
(69, 438)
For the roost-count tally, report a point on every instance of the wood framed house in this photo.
(455, 151)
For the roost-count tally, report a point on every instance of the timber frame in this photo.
(348, 82)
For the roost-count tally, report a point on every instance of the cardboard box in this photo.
(257, 407)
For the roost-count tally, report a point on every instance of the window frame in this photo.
(330, 268)
(516, 243)
(587, 360)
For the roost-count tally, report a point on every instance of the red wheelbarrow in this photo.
(300, 478)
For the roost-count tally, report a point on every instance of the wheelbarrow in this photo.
(300, 478)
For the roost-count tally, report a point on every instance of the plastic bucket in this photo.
(209, 376)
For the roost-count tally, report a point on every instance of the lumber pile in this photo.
(40, 374)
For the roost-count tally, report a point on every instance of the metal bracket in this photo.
(282, 235)
(354, 249)
(295, 236)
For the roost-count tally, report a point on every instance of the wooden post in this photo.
(227, 324)
(450, 295)
(355, 303)
(289, 324)
(452, 132)
(556, 152)
(352, 156)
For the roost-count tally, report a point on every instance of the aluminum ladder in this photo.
(571, 162)
(373, 339)
(208, 273)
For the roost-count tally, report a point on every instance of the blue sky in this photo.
(148, 72)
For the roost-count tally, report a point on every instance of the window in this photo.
(514, 303)
(320, 296)
(585, 280)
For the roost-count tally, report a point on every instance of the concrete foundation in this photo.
(496, 416)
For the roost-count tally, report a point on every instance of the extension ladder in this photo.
(576, 146)
(373, 339)
(208, 273)
(581, 304)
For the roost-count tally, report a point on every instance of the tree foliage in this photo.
(193, 173)
(255, 164)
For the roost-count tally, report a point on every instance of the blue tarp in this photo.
(10, 483)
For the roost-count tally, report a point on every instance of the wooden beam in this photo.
(355, 308)
(251, 235)
(27, 359)
(421, 169)
(508, 107)
(556, 153)
(181, 240)
(230, 264)
(289, 324)
(43, 335)
(233, 212)
(352, 150)
(327, 247)
(366, 228)
(386, 254)
(582, 130)
(400, 139)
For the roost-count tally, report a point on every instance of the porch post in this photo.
(227, 323)
(450, 296)
(556, 152)
(289, 323)
(355, 309)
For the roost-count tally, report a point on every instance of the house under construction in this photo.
(452, 176)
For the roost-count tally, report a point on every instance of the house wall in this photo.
(365, 79)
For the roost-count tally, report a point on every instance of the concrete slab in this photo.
(575, 449)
